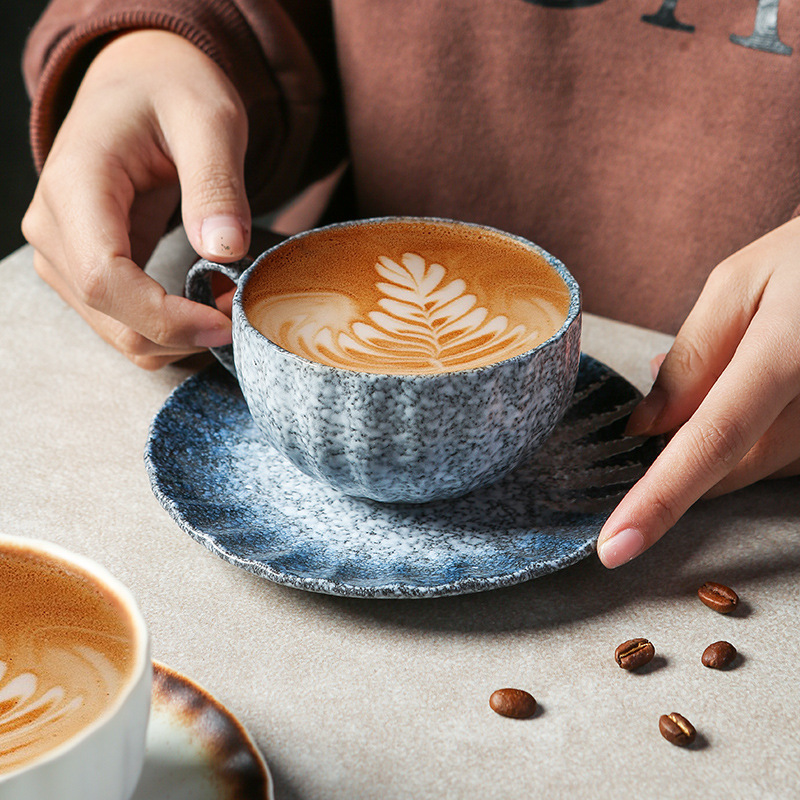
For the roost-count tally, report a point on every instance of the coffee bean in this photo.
(516, 703)
(634, 653)
(719, 597)
(676, 729)
(719, 655)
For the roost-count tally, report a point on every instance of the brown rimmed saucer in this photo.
(196, 748)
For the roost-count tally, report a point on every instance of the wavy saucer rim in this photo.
(389, 590)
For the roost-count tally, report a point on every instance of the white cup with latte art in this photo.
(402, 359)
(75, 677)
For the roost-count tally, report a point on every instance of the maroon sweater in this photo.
(641, 143)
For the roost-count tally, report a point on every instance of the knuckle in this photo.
(32, 223)
(141, 348)
(729, 274)
(149, 363)
(161, 332)
(160, 329)
(215, 185)
(91, 286)
(132, 344)
(735, 278)
(685, 358)
(725, 271)
(718, 444)
(663, 509)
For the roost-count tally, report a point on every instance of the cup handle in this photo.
(198, 288)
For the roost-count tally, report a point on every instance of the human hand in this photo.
(155, 122)
(728, 392)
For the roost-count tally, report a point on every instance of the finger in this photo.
(702, 349)
(137, 348)
(789, 471)
(150, 214)
(655, 364)
(735, 414)
(45, 224)
(224, 301)
(210, 163)
(775, 453)
(103, 276)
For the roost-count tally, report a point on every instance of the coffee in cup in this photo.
(407, 297)
(74, 675)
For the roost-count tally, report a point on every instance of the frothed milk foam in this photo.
(406, 297)
(65, 653)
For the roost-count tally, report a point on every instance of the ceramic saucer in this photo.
(196, 749)
(244, 501)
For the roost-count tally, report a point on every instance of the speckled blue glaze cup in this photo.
(398, 438)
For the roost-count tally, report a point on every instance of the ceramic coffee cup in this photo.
(75, 677)
(385, 433)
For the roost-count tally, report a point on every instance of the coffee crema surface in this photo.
(406, 297)
(66, 650)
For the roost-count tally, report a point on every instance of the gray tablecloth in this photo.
(388, 699)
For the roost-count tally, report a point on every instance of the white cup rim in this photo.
(141, 640)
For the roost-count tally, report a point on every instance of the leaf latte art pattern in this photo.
(422, 323)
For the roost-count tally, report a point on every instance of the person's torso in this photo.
(641, 143)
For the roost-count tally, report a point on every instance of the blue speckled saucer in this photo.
(245, 502)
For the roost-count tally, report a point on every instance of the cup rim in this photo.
(141, 640)
(573, 313)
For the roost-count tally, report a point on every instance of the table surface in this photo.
(351, 698)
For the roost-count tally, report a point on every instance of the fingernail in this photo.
(213, 338)
(646, 413)
(223, 237)
(621, 548)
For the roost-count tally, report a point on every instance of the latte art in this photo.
(423, 324)
(459, 308)
(65, 688)
(65, 654)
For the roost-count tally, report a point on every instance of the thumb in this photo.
(210, 164)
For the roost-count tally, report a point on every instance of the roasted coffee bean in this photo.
(719, 655)
(634, 653)
(676, 729)
(516, 703)
(719, 597)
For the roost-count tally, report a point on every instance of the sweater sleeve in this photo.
(280, 57)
